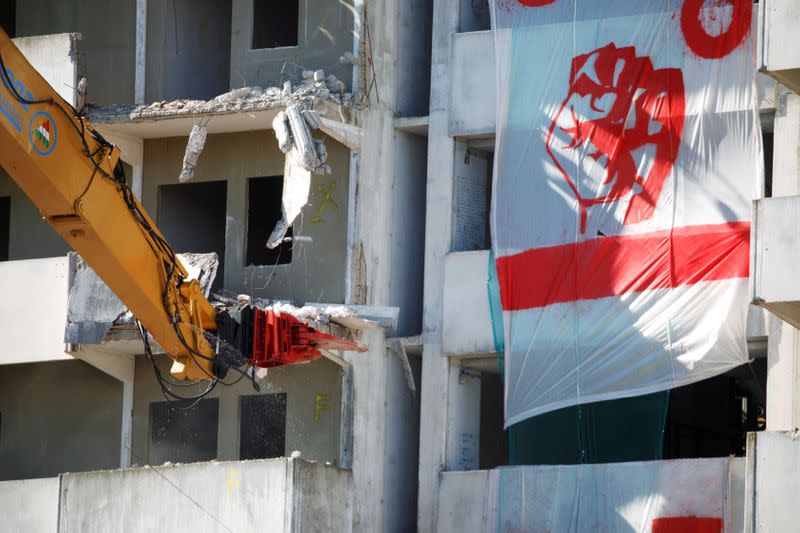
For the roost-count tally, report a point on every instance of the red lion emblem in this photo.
(618, 104)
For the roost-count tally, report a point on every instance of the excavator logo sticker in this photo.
(43, 133)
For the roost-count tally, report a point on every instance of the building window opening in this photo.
(8, 18)
(275, 24)
(183, 435)
(192, 218)
(263, 212)
(262, 430)
(769, 139)
(5, 226)
(472, 190)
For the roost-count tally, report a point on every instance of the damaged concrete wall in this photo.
(29, 237)
(107, 46)
(60, 416)
(325, 33)
(188, 49)
(313, 404)
(317, 270)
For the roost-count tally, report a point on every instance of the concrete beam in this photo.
(438, 243)
(783, 344)
(141, 51)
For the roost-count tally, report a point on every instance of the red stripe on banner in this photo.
(687, 524)
(613, 266)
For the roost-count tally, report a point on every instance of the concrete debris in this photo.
(253, 98)
(92, 309)
(296, 187)
(303, 149)
(319, 75)
(396, 346)
(315, 313)
(202, 267)
(348, 58)
(281, 126)
(237, 94)
(312, 119)
(304, 155)
(197, 140)
(80, 101)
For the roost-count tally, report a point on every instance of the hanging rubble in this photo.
(197, 140)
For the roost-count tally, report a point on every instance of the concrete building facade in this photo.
(398, 231)
(153, 70)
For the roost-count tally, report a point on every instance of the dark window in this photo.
(5, 226)
(263, 212)
(192, 218)
(183, 435)
(262, 433)
(8, 17)
(769, 140)
(493, 447)
(275, 24)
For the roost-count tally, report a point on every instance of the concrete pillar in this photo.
(783, 344)
(369, 433)
(126, 437)
(438, 242)
(141, 51)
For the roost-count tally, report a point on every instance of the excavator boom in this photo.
(75, 179)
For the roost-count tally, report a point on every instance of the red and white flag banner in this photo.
(628, 152)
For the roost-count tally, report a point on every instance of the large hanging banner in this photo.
(628, 151)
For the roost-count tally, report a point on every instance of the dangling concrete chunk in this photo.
(197, 140)
(301, 136)
(296, 187)
(281, 126)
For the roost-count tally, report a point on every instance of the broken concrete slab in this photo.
(93, 309)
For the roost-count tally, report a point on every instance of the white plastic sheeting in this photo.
(628, 151)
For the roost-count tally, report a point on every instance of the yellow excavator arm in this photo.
(75, 178)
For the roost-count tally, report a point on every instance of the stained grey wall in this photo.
(188, 49)
(59, 416)
(325, 33)
(315, 434)
(317, 270)
(30, 237)
(108, 45)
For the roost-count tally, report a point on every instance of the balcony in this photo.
(775, 250)
(608, 497)
(467, 328)
(34, 310)
(267, 495)
(778, 22)
(472, 86)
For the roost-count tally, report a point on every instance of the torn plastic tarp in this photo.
(197, 140)
(628, 149)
